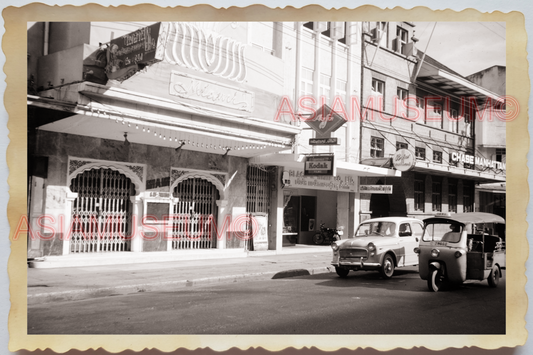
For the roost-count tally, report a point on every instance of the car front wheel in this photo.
(342, 272)
(494, 277)
(387, 269)
(435, 280)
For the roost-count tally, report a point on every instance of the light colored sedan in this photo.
(381, 244)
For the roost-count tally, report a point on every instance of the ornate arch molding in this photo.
(135, 172)
(217, 179)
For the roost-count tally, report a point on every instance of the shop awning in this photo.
(111, 113)
(296, 161)
(459, 173)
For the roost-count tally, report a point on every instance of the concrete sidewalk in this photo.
(77, 283)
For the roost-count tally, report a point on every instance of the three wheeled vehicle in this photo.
(460, 247)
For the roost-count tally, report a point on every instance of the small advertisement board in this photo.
(319, 165)
(376, 189)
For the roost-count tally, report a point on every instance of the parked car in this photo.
(381, 244)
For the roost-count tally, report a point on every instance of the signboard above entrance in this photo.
(319, 165)
(325, 120)
(296, 179)
(376, 189)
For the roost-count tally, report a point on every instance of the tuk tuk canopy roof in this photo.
(465, 218)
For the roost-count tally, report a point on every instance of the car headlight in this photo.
(435, 253)
(334, 246)
(417, 250)
(458, 254)
(371, 249)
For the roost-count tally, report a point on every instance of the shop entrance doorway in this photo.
(101, 214)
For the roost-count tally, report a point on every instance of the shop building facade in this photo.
(140, 138)
(425, 116)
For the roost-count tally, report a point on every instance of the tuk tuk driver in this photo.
(454, 235)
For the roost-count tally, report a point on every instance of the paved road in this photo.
(363, 303)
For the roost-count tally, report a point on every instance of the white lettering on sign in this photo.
(297, 179)
(207, 91)
(376, 189)
(483, 162)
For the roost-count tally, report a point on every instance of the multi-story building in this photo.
(422, 114)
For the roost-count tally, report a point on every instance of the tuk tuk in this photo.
(459, 247)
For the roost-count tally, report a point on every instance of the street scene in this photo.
(266, 178)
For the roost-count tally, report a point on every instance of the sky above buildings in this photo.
(466, 47)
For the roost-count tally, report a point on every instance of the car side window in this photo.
(405, 230)
(418, 230)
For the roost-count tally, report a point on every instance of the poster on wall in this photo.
(260, 231)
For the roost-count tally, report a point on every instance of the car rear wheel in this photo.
(435, 279)
(318, 239)
(494, 277)
(342, 272)
(387, 268)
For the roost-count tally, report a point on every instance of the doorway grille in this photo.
(257, 196)
(101, 214)
(194, 214)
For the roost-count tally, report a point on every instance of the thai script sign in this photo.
(130, 53)
(323, 141)
(403, 160)
(207, 91)
(470, 159)
(319, 165)
(297, 179)
(376, 189)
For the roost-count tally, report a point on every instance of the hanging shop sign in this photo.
(211, 92)
(319, 165)
(325, 120)
(128, 54)
(323, 141)
(296, 178)
(376, 189)
(479, 161)
(403, 160)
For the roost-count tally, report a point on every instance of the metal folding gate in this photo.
(194, 214)
(101, 214)
(257, 195)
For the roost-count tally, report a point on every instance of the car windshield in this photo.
(383, 229)
(446, 232)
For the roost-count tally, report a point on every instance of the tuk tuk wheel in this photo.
(318, 239)
(342, 272)
(435, 280)
(494, 277)
(387, 269)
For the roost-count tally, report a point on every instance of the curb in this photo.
(76, 295)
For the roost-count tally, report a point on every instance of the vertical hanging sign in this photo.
(130, 53)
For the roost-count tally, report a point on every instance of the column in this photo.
(137, 240)
(221, 232)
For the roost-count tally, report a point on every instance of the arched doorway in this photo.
(101, 214)
(194, 214)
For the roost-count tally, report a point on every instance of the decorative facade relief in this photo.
(192, 47)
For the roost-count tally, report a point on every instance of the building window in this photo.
(420, 105)
(376, 147)
(468, 193)
(402, 94)
(378, 89)
(500, 155)
(452, 195)
(334, 30)
(437, 157)
(306, 82)
(340, 87)
(419, 192)
(454, 122)
(325, 86)
(381, 34)
(420, 153)
(436, 195)
(401, 145)
(401, 39)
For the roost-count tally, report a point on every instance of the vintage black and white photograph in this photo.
(298, 177)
